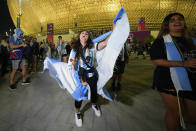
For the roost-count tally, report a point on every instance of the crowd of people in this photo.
(58, 50)
(27, 52)
(24, 53)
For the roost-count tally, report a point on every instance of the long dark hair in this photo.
(77, 46)
(165, 29)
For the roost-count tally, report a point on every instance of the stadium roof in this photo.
(96, 14)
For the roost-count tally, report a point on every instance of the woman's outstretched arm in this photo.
(101, 45)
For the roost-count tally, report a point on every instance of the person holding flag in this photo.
(90, 64)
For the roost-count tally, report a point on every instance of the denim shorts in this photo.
(18, 63)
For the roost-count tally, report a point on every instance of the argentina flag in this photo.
(68, 78)
(179, 75)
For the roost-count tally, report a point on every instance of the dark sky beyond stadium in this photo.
(6, 22)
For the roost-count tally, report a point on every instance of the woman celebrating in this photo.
(172, 53)
(84, 62)
(90, 64)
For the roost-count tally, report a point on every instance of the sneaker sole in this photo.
(78, 125)
(25, 84)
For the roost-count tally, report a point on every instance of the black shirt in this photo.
(162, 77)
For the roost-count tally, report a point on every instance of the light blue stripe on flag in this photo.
(107, 94)
(54, 61)
(119, 15)
(178, 74)
(101, 37)
(81, 91)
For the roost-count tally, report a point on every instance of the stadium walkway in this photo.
(43, 106)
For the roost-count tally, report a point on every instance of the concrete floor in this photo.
(43, 106)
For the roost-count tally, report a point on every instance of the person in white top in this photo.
(84, 60)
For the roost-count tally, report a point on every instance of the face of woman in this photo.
(176, 24)
(83, 38)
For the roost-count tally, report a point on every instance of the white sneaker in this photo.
(78, 119)
(97, 110)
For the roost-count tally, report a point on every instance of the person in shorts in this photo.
(174, 28)
(16, 46)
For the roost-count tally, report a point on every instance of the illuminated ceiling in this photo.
(96, 14)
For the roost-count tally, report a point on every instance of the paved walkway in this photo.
(43, 106)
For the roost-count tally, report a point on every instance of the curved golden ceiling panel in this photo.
(95, 14)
